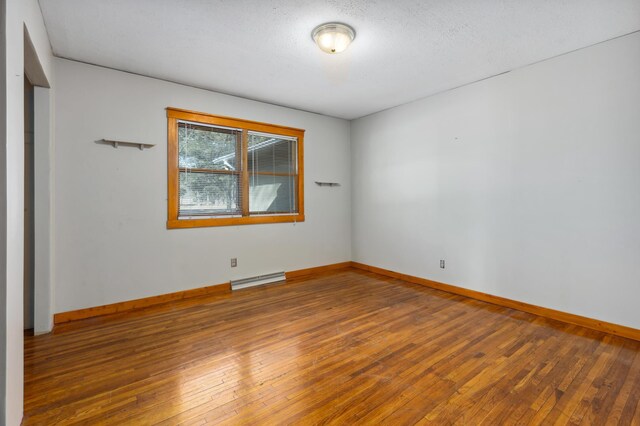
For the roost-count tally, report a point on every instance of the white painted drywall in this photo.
(3, 213)
(404, 49)
(111, 240)
(44, 227)
(528, 184)
(18, 15)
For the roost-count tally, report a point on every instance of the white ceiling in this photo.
(262, 49)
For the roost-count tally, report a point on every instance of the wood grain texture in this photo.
(173, 180)
(244, 165)
(130, 305)
(300, 172)
(316, 270)
(344, 347)
(607, 327)
(219, 120)
(230, 221)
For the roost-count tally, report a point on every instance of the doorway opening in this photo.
(29, 197)
(38, 190)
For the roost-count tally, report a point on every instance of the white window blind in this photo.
(224, 171)
(273, 173)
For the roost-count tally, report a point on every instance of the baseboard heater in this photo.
(258, 280)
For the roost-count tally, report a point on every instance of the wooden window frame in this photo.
(174, 115)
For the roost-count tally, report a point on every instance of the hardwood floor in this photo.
(346, 347)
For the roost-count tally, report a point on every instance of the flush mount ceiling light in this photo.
(333, 37)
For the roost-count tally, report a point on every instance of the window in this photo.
(228, 171)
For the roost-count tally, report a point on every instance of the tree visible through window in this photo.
(209, 164)
(225, 171)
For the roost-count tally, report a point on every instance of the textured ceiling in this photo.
(262, 49)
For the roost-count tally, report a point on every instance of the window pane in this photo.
(272, 194)
(202, 147)
(208, 194)
(271, 154)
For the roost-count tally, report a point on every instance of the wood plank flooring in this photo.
(346, 347)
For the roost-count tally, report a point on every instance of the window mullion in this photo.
(244, 176)
(210, 182)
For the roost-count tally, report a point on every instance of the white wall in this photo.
(19, 14)
(43, 200)
(111, 240)
(528, 184)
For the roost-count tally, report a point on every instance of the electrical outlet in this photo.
(234, 262)
(442, 263)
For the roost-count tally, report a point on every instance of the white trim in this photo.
(272, 135)
(43, 211)
(259, 280)
(212, 126)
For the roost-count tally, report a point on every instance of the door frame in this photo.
(43, 189)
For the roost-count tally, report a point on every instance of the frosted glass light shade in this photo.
(333, 37)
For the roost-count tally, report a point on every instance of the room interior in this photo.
(416, 212)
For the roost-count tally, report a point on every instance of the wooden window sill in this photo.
(231, 221)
